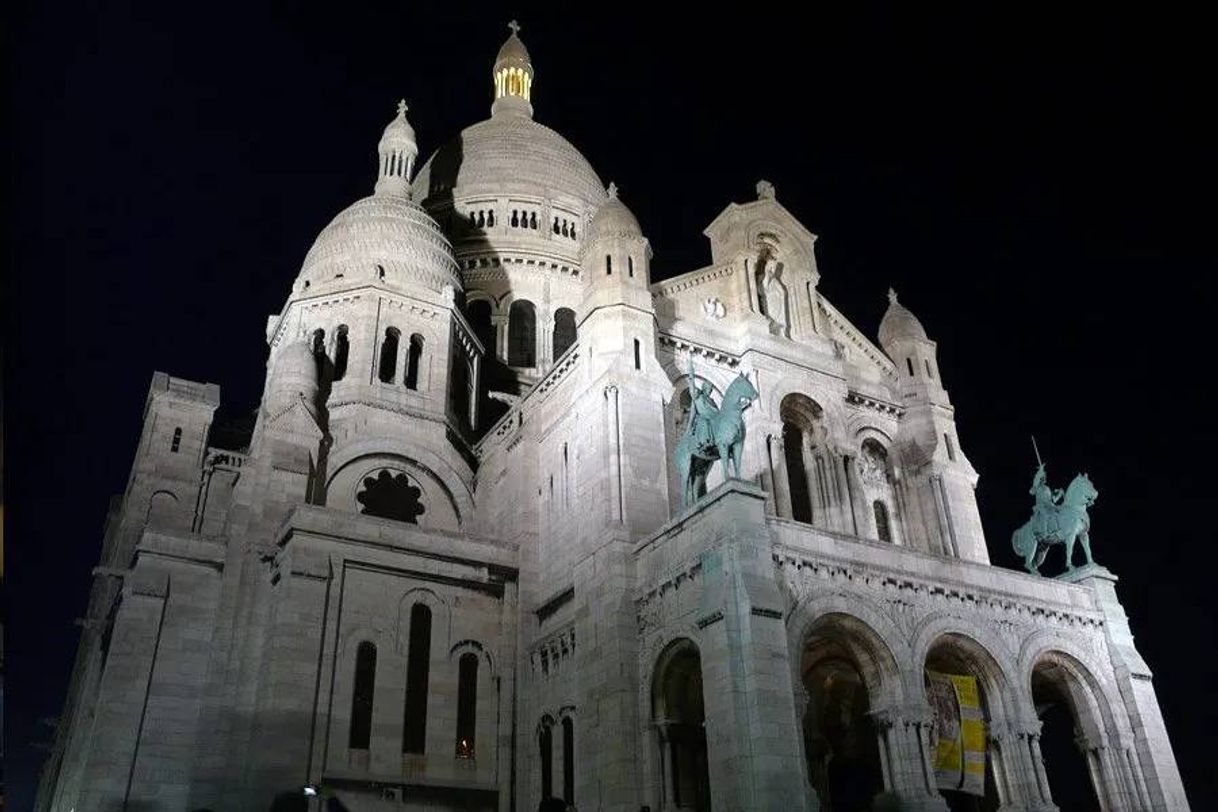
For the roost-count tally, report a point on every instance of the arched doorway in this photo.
(679, 716)
(957, 655)
(1071, 726)
(842, 667)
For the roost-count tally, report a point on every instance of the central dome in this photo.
(509, 153)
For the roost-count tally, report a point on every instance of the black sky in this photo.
(1039, 188)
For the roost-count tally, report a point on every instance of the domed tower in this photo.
(904, 339)
(515, 199)
(372, 344)
(942, 479)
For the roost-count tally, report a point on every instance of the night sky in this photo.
(1039, 189)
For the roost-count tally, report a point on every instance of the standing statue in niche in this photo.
(1057, 518)
(713, 433)
(773, 295)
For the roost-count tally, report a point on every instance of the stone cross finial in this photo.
(515, 26)
(765, 190)
(402, 108)
(892, 296)
(612, 190)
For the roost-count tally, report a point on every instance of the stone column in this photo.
(854, 492)
(779, 476)
(499, 323)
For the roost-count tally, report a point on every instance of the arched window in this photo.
(929, 374)
(568, 760)
(882, 530)
(564, 330)
(797, 473)
(414, 354)
(909, 365)
(418, 666)
(361, 699)
(342, 349)
(177, 440)
(522, 334)
(389, 355)
(608, 265)
(467, 704)
(638, 355)
(630, 266)
(319, 343)
(545, 744)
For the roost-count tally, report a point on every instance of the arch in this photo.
(953, 648)
(418, 670)
(522, 334)
(802, 431)
(564, 330)
(438, 475)
(679, 714)
(342, 352)
(883, 530)
(162, 509)
(978, 650)
(388, 369)
(414, 358)
(360, 731)
(545, 746)
(480, 311)
(568, 758)
(467, 705)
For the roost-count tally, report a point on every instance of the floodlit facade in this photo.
(452, 567)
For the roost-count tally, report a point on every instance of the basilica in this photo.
(478, 553)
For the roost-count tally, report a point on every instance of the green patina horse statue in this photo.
(1058, 524)
(713, 433)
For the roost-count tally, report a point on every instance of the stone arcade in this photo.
(450, 569)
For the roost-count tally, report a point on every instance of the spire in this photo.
(397, 152)
(513, 76)
(899, 324)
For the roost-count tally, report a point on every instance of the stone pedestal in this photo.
(1155, 760)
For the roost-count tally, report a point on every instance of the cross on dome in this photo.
(402, 108)
(515, 26)
(612, 190)
(892, 296)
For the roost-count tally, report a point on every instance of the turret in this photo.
(942, 479)
(513, 77)
(904, 339)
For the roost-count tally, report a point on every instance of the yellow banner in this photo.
(958, 743)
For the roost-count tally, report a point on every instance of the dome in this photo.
(509, 154)
(513, 53)
(613, 218)
(899, 324)
(382, 232)
(399, 134)
(296, 361)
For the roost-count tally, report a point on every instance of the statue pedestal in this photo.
(1082, 574)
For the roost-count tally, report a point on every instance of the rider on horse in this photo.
(1044, 512)
(702, 409)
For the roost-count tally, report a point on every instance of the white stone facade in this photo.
(451, 569)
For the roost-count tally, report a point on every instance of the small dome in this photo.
(513, 54)
(613, 218)
(388, 233)
(399, 134)
(296, 361)
(899, 324)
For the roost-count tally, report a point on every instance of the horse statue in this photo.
(713, 433)
(1053, 523)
